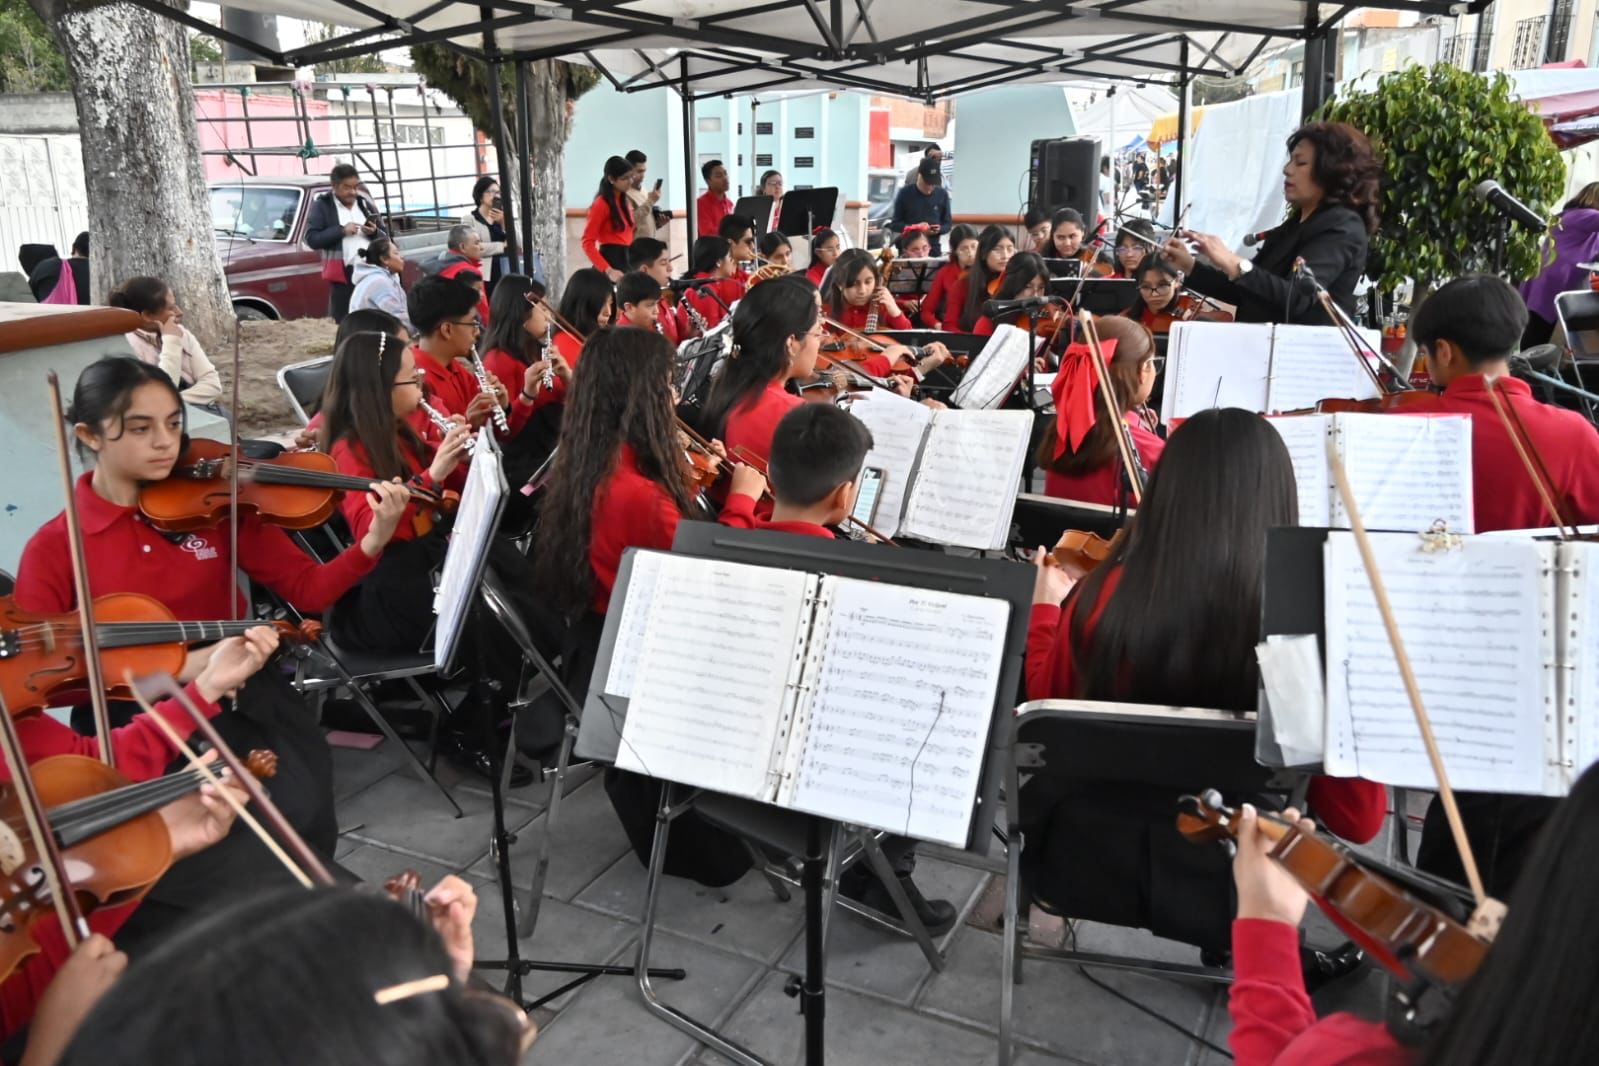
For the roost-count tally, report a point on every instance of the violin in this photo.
(42, 655)
(297, 490)
(1413, 939)
(701, 464)
(1083, 551)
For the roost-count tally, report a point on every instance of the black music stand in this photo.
(1001, 579)
(1101, 296)
(758, 209)
(806, 209)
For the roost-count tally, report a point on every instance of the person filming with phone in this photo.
(648, 219)
(488, 218)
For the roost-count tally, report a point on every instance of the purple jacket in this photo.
(1576, 238)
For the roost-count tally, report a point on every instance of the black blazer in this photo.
(323, 230)
(1332, 243)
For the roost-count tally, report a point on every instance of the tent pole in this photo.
(1319, 62)
(525, 150)
(689, 184)
(502, 157)
(1184, 84)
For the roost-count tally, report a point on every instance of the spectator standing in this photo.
(343, 221)
(926, 201)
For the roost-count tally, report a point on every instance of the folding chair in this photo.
(302, 384)
(1081, 741)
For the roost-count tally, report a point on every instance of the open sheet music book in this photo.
(1259, 367)
(476, 518)
(1504, 639)
(1406, 471)
(860, 701)
(995, 371)
(950, 477)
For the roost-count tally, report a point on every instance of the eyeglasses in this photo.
(1165, 286)
(472, 323)
(414, 379)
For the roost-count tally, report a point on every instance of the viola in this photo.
(109, 832)
(297, 490)
(1413, 939)
(42, 655)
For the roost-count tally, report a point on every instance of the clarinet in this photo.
(501, 423)
(694, 316)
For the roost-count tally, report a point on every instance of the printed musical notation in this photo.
(1311, 363)
(1407, 473)
(1475, 629)
(899, 714)
(898, 427)
(1306, 438)
(968, 477)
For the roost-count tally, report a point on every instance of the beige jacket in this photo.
(182, 359)
(643, 216)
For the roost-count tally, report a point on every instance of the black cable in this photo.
(1136, 1005)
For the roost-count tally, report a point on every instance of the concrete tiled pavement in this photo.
(886, 1007)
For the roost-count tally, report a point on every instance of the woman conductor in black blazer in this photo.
(1330, 183)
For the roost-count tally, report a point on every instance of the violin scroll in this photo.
(262, 763)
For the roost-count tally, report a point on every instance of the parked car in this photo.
(260, 233)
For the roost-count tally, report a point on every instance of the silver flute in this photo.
(547, 382)
(501, 423)
(444, 425)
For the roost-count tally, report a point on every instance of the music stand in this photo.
(604, 717)
(806, 209)
(758, 209)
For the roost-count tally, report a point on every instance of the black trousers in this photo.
(339, 293)
(1501, 829)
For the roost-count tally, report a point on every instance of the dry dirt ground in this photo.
(264, 347)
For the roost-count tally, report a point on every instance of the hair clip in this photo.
(383, 342)
(409, 989)
(1440, 539)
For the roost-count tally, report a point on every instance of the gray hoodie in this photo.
(376, 287)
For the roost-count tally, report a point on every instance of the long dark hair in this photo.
(233, 980)
(1154, 263)
(959, 236)
(1023, 269)
(1134, 348)
(764, 320)
(621, 207)
(142, 293)
(1532, 998)
(508, 311)
(978, 277)
(846, 268)
(1182, 625)
(584, 298)
(706, 254)
(104, 393)
(1345, 167)
(356, 407)
(622, 396)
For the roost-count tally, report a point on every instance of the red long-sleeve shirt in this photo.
(855, 319)
(1274, 1023)
(600, 228)
(1504, 496)
(452, 386)
(512, 372)
(739, 512)
(1349, 806)
(476, 267)
(710, 308)
(709, 210)
(937, 311)
(1101, 484)
(351, 458)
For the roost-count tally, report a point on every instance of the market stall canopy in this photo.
(918, 48)
(1126, 112)
(1566, 97)
(1165, 126)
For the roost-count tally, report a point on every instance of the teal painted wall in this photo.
(993, 131)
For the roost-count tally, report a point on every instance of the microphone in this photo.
(681, 284)
(1252, 239)
(1494, 195)
(999, 308)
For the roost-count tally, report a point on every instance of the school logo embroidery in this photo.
(198, 547)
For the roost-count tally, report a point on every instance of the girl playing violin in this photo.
(1162, 300)
(1170, 618)
(913, 242)
(588, 303)
(1066, 242)
(1025, 276)
(994, 251)
(701, 309)
(1078, 451)
(941, 307)
(825, 246)
(853, 292)
(1130, 250)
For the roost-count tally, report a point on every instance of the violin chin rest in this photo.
(260, 449)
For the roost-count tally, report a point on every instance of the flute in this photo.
(501, 423)
(442, 424)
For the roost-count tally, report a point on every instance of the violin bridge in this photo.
(1486, 920)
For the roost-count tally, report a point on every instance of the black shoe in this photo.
(1321, 968)
(936, 914)
(475, 760)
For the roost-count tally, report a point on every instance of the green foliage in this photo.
(466, 81)
(1440, 131)
(1220, 90)
(371, 63)
(30, 62)
(203, 48)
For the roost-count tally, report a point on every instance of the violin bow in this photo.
(310, 869)
(80, 583)
(1107, 392)
(878, 348)
(1156, 246)
(1485, 906)
(1530, 457)
(233, 479)
(73, 925)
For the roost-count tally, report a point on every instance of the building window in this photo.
(763, 160)
(804, 133)
(804, 162)
(1528, 49)
(1560, 18)
(740, 159)
(763, 129)
(741, 128)
(709, 124)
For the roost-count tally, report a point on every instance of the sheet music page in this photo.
(708, 692)
(968, 478)
(1475, 626)
(1216, 364)
(1407, 472)
(898, 428)
(1306, 437)
(994, 371)
(899, 716)
(1578, 611)
(629, 644)
(1311, 363)
(476, 515)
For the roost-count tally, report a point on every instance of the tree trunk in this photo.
(149, 211)
(547, 112)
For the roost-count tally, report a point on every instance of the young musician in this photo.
(1162, 301)
(825, 246)
(651, 257)
(1130, 249)
(638, 299)
(444, 311)
(712, 205)
(1067, 232)
(941, 307)
(1526, 1003)
(776, 249)
(913, 242)
(994, 251)
(1025, 277)
(703, 308)
(517, 349)
(588, 305)
(852, 293)
(739, 231)
(609, 229)
(1078, 451)
(1038, 227)
(1170, 618)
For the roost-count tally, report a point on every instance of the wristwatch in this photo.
(1244, 267)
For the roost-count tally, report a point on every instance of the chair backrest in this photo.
(1578, 312)
(302, 384)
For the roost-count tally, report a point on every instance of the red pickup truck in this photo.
(260, 234)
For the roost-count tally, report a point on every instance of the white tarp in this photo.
(1233, 171)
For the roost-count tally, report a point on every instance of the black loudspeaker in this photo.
(1065, 173)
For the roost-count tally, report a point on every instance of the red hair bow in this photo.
(1073, 391)
(917, 227)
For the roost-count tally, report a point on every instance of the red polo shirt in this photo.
(1102, 484)
(751, 424)
(1505, 497)
(710, 208)
(855, 319)
(937, 312)
(739, 512)
(351, 458)
(476, 267)
(512, 372)
(816, 272)
(451, 386)
(190, 574)
(709, 307)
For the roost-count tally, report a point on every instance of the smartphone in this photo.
(498, 204)
(869, 488)
(658, 182)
